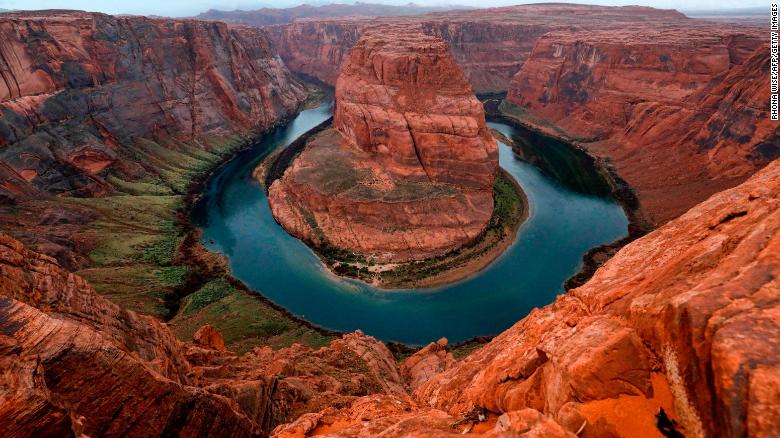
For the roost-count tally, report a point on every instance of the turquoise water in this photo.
(565, 221)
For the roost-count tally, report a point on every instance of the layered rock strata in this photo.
(85, 98)
(407, 171)
(489, 44)
(73, 362)
(95, 105)
(679, 331)
(669, 101)
(680, 113)
(684, 319)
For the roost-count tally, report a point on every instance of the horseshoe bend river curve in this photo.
(570, 213)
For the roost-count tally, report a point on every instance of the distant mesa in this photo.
(269, 16)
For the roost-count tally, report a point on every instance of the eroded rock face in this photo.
(407, 171)
(677, 105)
(684, 319)
(686, 316)
(209, 337)
(80, 355)
(489, 44)
(85, 97)
(679, 110)
(73, 362)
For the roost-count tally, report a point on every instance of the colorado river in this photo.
(566, 219)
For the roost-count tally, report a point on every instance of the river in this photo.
(569, 214)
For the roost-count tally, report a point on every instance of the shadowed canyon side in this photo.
(683, 319)
(107, 124)
(407, 171)
(80, 91)
(679, 112)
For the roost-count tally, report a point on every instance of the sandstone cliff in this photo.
(684, 319)
(73, 362)
(679, 112)
(489, 44)
(95, 105)
(79, 92)
(407, 171)
(622, 79)
(303, 12)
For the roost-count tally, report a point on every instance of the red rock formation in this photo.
(489, 44)
(402, 96)
(79, 90)
(74, 362)
(687, 313)
(426, 363)
(266, 16)
(315, 48)
(679, 111)
(684, 319)
(207, 336)
(618, 78)
(80, 355)
(407, 173)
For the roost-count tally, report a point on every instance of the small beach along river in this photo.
(569, 214)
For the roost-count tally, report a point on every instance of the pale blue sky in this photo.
(192, 7)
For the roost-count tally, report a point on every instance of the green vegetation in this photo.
(245, 321)
(137, 256)
(526, 117)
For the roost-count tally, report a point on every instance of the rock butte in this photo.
(684, 319)
(677, 106)
(407, 171)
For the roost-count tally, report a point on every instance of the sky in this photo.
(177, 8)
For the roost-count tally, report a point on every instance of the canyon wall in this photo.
(489, 44)
(407, 172)
(73, 362)
(315, 48)
(676, 106)
(684, 319)
(680, 112)
(86, 98)
(677, 332)
(303, 12)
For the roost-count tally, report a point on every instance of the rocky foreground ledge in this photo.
(683, 320)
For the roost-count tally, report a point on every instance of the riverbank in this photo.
(509, 213)
(638, 225)
(212, 295)
(236, 220)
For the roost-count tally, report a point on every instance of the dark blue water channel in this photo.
(570, 212)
